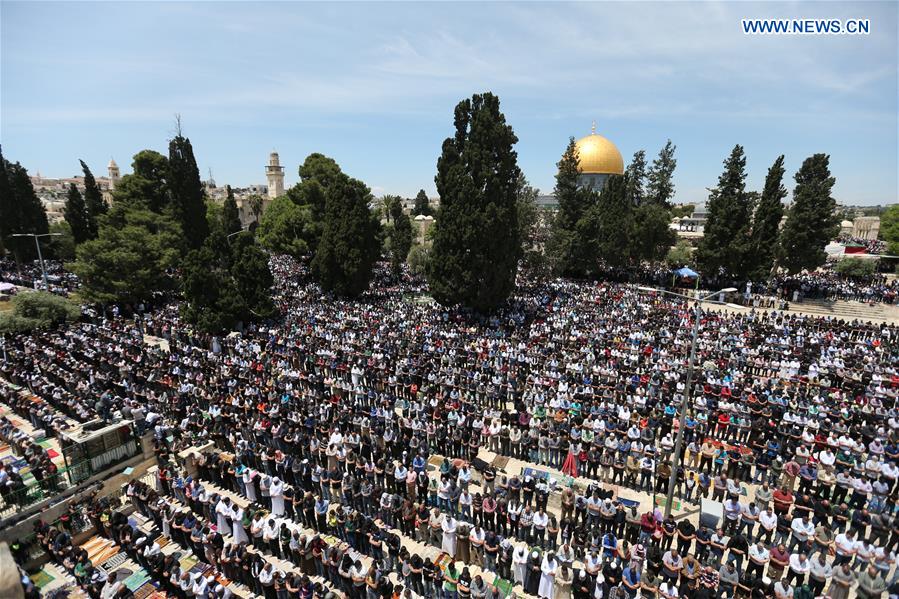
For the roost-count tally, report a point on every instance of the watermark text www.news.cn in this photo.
(806, 26)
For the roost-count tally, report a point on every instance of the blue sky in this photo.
(374, 85)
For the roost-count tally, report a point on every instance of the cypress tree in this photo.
(399, 235)
(77, 216)
(812, 221)
(349, 243)
(660, 179)
(725, 238)
(422, 204)
(93, 198)
(476, 236)
(9, 215)
(188, 197)
(567, 247)
(607, 228)
(230, 213)
(636, 177)
(766, 221)
(27, 213)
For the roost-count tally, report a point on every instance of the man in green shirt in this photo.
(450, 581)
(871, 584)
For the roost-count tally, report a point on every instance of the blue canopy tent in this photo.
(684, 273)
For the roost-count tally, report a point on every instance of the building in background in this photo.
(274, 175)
(598, 158)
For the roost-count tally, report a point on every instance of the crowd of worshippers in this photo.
(30, 275)
(583, 377)
(830, 285)
(37, 459)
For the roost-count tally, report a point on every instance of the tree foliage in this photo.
(61, 246)
(398, 239)
(858, 268)
(350, 239)
(607, 228)
(78, 217)
(660, 178)
(93, 197)
(566, 248)
(187, 194)
(812, 221)
(636, 178)
(476, 240)
(889, 229)
(422, 204)
(725, 242)
(680, 255)
(766, 222)
(147, 185)
(37, 310)
(226, 282)
(286, 228)
(653, 236)
(129, 260)
(230, 214)
(20, 210)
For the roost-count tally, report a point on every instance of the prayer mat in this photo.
(52, 453)
(137, 580)
(188, 561)
(443, 560)
(41, 579)
(144, 591)
(115, 561)
(500, 462)
(503, 586)
(162, 541)
(103, 554)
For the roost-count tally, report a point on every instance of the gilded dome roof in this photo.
(598, 155)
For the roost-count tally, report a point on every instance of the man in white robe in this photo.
(547, 576)
(277, 493)
(240, 535)
(520, 560)
(223, 513)
(449, 536)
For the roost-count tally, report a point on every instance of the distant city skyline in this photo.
(373, 85)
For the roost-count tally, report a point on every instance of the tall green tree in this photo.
(636, 178)
(422, 204)
(147, 185)
(21, 210)
(660, 178)
(350, 241)
(653, 236)
(60, 246)
(252, 276)
(812, 221)
(566, 248)
(889, 229)
(287, 228)
(399, 234)
(766, 221)
(93, 197)
(725, 241)
(230, 214)
(212, 301)
(186, 189)
(131, 256)
(78, 217)
(476, 236)
(607, 228)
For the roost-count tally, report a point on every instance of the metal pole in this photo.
(40, 257)
(679, 442)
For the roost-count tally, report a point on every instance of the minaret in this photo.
(274, 174)
(113, 170)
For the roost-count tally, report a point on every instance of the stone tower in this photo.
(274, 174)
(113, 170)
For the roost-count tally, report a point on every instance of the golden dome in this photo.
(597, 155)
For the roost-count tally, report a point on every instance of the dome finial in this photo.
(593, 128)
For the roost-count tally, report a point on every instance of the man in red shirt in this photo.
(783, 499)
